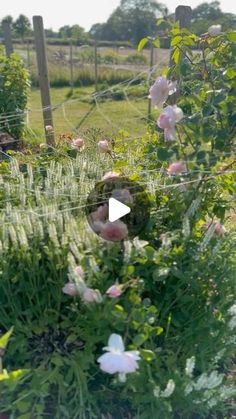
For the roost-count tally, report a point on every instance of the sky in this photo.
(82, 12)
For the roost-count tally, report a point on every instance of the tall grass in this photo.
(85, 76)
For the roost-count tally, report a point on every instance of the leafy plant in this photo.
(14, 84)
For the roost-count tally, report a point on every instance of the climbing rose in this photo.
(160, 90)
(116, 359)
(122, 195)
(91, 296)
(100, 214)
(219, 229)
(177, 167)
(115, 231)
(110, 175)
(104, 146)
(79, 142)
(214, 30)
(70, 289)
(168, 119)
(114, 291)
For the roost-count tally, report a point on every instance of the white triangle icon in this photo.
(117, 210)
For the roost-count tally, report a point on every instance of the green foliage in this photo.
(14, 84)
(22, 26)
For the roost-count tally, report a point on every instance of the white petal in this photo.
(178, 113)
(112, 363)
(115, 342)
(133, 354)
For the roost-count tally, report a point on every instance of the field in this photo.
(78, 113)
(121, 95)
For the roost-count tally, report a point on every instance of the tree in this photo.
(209, 11)
(8, 19)
(130, 21)
(207, 14)
(22, 26)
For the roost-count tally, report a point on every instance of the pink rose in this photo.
(177, 167)
(91, 296)
(70, 289)
(160, 90)
(79, 142)
(110, 175)
(104, 146)
(114, 291)
(214, 30)
(168, 119)
(122, 195)
(115, 231)
(219, 229)
(100, 214)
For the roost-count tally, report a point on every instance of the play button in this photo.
(117, 210)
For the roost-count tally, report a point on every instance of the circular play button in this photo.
(118, 208)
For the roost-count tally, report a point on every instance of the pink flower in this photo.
(79, 142)
(114, 291)
(79, 270)
(49, 128)
(100, 214)
(168, 119)
(70, 289)
(214, 30)
(160, 90)
(104, 146)
(115, 231)
(116, 359)
(219, 229)
(91, 296)
(122, 195)
(177, 167)
(110, 175)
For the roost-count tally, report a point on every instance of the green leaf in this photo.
(230, 72)
(231, 36)
(176, 56)
(156, 43)
(140, 339)
(142, 43)
(5, 338)
(176, 40)
(163, 154)
(147, 354)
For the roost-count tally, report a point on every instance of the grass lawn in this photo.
(73, 116)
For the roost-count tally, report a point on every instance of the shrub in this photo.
(14, 84)
(136, 59)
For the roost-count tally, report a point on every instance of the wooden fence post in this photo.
(40, 46)
(28, 53)
(183, 14)
(71, 66)
(7, 37)
(150, 72)
(96, 64)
